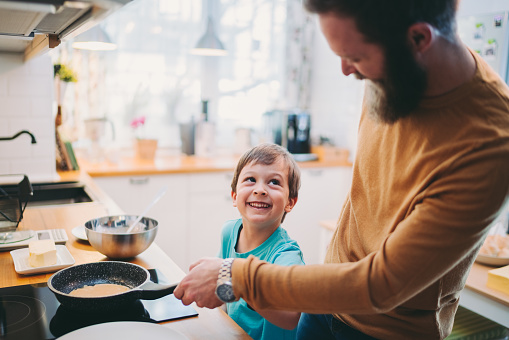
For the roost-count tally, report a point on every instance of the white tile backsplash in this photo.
(40, 127)
(20, 148)
(38, 66)
(30, 85)
(4, 126)
(3, 86)
(5, 167)
(44, 148)
(26, 103)
(14, 106)
(39, 108)
(39, 169)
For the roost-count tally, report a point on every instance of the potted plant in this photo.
(145, 147)
(63, 75)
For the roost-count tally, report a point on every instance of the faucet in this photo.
(18, 134)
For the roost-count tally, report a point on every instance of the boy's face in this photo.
(262, 194)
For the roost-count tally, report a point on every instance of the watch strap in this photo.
(224, 288)
(225, 272)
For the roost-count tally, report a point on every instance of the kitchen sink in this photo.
(53, 193)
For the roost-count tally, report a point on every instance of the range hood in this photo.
(31, 27)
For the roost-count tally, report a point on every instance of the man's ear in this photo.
(234, 198)
(291, 204)
(420, 36)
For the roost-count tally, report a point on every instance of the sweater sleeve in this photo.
(447, 223)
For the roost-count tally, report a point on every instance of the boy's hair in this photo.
(383, 21)
(267, 154)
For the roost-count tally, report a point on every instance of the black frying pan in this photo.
(128, 274)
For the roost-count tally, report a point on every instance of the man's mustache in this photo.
(359, 75)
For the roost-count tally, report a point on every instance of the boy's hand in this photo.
(200, 284)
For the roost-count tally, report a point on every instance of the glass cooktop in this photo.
(33, 312)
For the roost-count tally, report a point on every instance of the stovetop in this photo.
(33, 312)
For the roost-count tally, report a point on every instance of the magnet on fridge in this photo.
(497, 21)
(479, 31)
(490, 49)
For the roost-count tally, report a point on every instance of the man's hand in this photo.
(200, 284)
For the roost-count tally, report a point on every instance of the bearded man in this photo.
(430, 176)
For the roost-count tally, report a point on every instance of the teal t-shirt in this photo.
(280, 249)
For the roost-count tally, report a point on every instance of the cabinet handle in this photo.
(138, 181)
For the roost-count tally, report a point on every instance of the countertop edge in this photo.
(132, 166)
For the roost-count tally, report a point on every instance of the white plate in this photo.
(125, 330)
(22, 266)
(79, 232)
(492, 260)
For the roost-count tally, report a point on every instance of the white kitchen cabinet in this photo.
(321, 196)
(190, 214)
(209, 206)
(134, 193)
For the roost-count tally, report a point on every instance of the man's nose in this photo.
(347, 68)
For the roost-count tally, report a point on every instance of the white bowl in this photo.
(492, 260)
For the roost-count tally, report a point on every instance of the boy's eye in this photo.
(274, 181)
(250, 179)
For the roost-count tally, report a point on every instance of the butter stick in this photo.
(498, 279)
(42, 253)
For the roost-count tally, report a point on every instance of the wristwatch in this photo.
(224, 288)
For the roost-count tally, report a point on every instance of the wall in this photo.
(26, 97)
(335, 99)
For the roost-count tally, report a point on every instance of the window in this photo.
(153, 74)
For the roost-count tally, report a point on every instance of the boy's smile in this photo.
(259, 205)
(262, 194)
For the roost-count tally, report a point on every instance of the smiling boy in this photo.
(264, 189)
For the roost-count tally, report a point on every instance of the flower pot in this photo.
(146, 148)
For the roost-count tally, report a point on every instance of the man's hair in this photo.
(382, 21)
(267, 154)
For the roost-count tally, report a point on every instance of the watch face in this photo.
(225, 292)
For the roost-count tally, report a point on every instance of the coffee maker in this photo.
(298, 133)
(290, 129)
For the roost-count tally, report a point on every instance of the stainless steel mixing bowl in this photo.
(108, 235)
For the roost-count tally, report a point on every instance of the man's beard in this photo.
(402, 89)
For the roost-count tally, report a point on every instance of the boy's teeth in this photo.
(259, 205)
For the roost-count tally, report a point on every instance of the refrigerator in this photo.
(488, 35)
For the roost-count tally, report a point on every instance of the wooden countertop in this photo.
(210, 324)
(476, 280)
(167, 164)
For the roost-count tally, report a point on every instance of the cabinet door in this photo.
(321, 196)
(134, 193)
(209, 206)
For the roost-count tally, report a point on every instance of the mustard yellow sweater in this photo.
(423, 193)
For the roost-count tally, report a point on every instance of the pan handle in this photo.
(151, 291)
